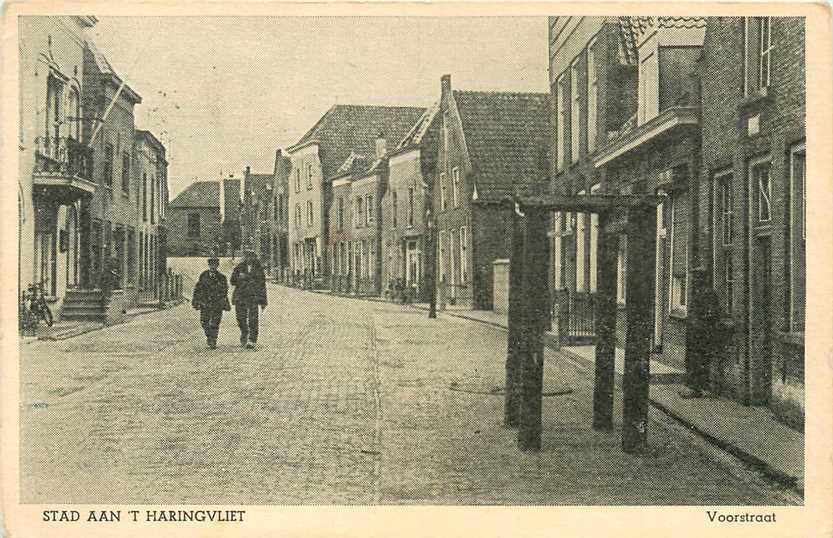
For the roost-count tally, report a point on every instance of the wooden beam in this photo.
(535, 322)
(511, 414)
(608, 248)
(639, 297)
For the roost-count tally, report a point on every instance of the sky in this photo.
(226, 92)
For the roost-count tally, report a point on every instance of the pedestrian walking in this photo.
(211, 299)
(249, 282)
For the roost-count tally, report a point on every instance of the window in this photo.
(556, 263)
(152, 200)
(445, 131)
(592, 98)
(464, 266)
(359, 212)
(394, 208)
(581, 282)
(371, 259)
(298, 179)
(763, 184)
(764, 50)
(108, 165)
(729, 281)
(54, 98)
(797, 237)
(309, 176)
(575, 112)
(561, 119)
(144, 195)
(74, 110)
(309, 213)
(340, 213)
(745, 56)
(455, 186)
(193, 224)
(679, 250)
(297, 215)
(370, 209)
(125, 173)
(131, 255)
(443, 201)
(648, 89)
(622, 269)
(594, 251)
(410, 206)
(726, 209)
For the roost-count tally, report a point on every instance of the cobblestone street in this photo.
(344, 401)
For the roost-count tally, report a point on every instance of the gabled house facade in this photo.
(114, 210)
(200, 224)
(752, 205)
(316, 160)
(489, 145)
(405, 206)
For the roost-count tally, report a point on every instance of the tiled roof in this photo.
(632, 28)
(199, 194)
(507, 135)
(354, 128)
(421, 127)
(206, 193)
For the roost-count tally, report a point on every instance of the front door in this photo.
(762, 320)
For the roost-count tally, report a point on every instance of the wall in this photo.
(301, 159)
(179, 244)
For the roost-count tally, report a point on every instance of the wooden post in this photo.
(639, 296)
(608, 246)
(535, 318)
(511, 403)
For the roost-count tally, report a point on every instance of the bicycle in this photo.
(33, 308)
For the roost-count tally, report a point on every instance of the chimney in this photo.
(445, 85)
(381, 145)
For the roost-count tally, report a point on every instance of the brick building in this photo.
(316, 160)
(489, 144)
(199, 225)
(752, 215)
(405, 240)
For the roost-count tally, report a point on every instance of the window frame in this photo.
(369, 214)
(411, 211)
(754, 167)
(455, 186)
(125, 173)
(309, 177)
(560, 134)
(443, 193)
(725, 184)
(575, 111)
(310, 211)
(394, 208)
(797, 246)
(464, 266)
(592, 97)
(765, 49)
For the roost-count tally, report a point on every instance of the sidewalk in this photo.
(752, 434)
(63, 329)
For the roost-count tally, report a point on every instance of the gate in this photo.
(575, 313)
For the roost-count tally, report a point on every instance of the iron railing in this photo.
(63, 155)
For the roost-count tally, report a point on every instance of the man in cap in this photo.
(249, 280)
(211, 298)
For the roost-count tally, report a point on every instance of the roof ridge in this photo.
(498, 92)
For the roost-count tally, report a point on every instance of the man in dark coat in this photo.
(211, 298)
(249, 280)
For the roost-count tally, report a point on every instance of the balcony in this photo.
(631, 137)
(63, 169)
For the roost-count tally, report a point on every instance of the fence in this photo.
(575, 314)
(169, 287)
